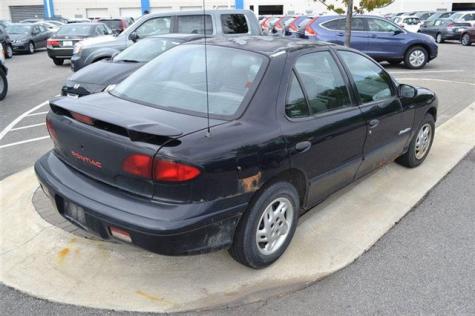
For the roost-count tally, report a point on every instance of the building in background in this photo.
(16, 10)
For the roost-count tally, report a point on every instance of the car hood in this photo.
(110, 72)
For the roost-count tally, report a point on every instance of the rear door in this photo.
(389, 127)
(323, 128)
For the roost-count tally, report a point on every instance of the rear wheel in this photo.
(420, 144)
(267, 227)
(466, 40)
(416, 57)
(31, 47)
(438, 38)
(58, 61)
(3, 85)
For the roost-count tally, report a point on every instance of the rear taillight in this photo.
(139, 165)
(278, 26)
(171, 171)
(450, 26)
(293, 27)
(83, 118)
(52, 43)
(51, 130)
(309, 31)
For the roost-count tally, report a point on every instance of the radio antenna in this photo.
(208, 134)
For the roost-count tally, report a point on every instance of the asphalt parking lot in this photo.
(35, 79)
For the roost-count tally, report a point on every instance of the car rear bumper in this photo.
(63, 53)
(77, 62)
(157, 226)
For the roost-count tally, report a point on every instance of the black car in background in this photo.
(98, 76)
(6, 43)
(186, 157)
(444, 29)
(28, 37)
(61, 46)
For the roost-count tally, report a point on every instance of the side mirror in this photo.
(133, 37)
(407, 91)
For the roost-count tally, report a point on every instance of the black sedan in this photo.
(28, 37)
(112, 71)
(61, 45)
(444, 29)
(187, 156)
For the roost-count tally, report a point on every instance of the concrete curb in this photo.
(47, 262)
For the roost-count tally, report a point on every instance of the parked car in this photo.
(444, 29)
(27, 37)
(378, 38)
(6, 43)
(218, 22)
(464, 16)
(423, 15)
(268, 24)
(116, 25)
(113, 71)
(279, 26)
(439, 15)
(3, 75)
(176, 164)
(409, 23)
(60, 47)
(297, 24)
(467, 36)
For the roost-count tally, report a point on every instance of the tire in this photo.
(3, 85)
(394, 62)
(9, 51)
(416, 57)
(58, 61)
(465, 40)
(245, 248)
(438, 38)
(31, 48)
(414, 156)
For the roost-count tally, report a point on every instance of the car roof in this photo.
(267, 45)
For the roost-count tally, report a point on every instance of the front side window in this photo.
(176, 80)
(194, 24)
(296, 105)
(377, 25)
(322, 80)
(234, 24)
(372, 82)
(155, 26)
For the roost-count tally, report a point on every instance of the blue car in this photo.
(377, 37)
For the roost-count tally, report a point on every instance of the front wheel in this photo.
(267, 227)
(31, 48)
(58, 61)
(420, 144)
(3, 85)
(466, 40)
(416, 57)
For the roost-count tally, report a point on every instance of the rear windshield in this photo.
(75, 29)
(234, 23)
(176, 80)
(145, 50)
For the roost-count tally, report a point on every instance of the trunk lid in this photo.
(109, 130)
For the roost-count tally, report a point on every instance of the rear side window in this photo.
(194, 24)
(234, 24)
(322, 80)
(339, 24)
(377, 25)
(372, 82)
(296, 106)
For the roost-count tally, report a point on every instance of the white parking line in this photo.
(425, 71)
(27, 126)
(24, 141)
(37, 113)
(19, 118)
(440, 80)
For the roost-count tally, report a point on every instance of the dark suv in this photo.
(218, 22)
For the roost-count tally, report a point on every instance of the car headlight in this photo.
(20, 41)
(77, 49)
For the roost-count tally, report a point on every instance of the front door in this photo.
(324, 129)
(389, 127)
(385, 39)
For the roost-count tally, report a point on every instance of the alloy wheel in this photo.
(274, 226)
(465, 39)
(31, 48)
(423, 141)
(438, 38)
(417, 58)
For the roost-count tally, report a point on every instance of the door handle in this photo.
(303, 146)
(373, 123)
(340, 34)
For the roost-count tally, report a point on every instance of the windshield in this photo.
(75, 29)
(146, 50)
(176, 80)
(18, 29)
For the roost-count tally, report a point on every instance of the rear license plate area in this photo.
(67, 43)
(73, 212)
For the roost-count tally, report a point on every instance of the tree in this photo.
(364, 6)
